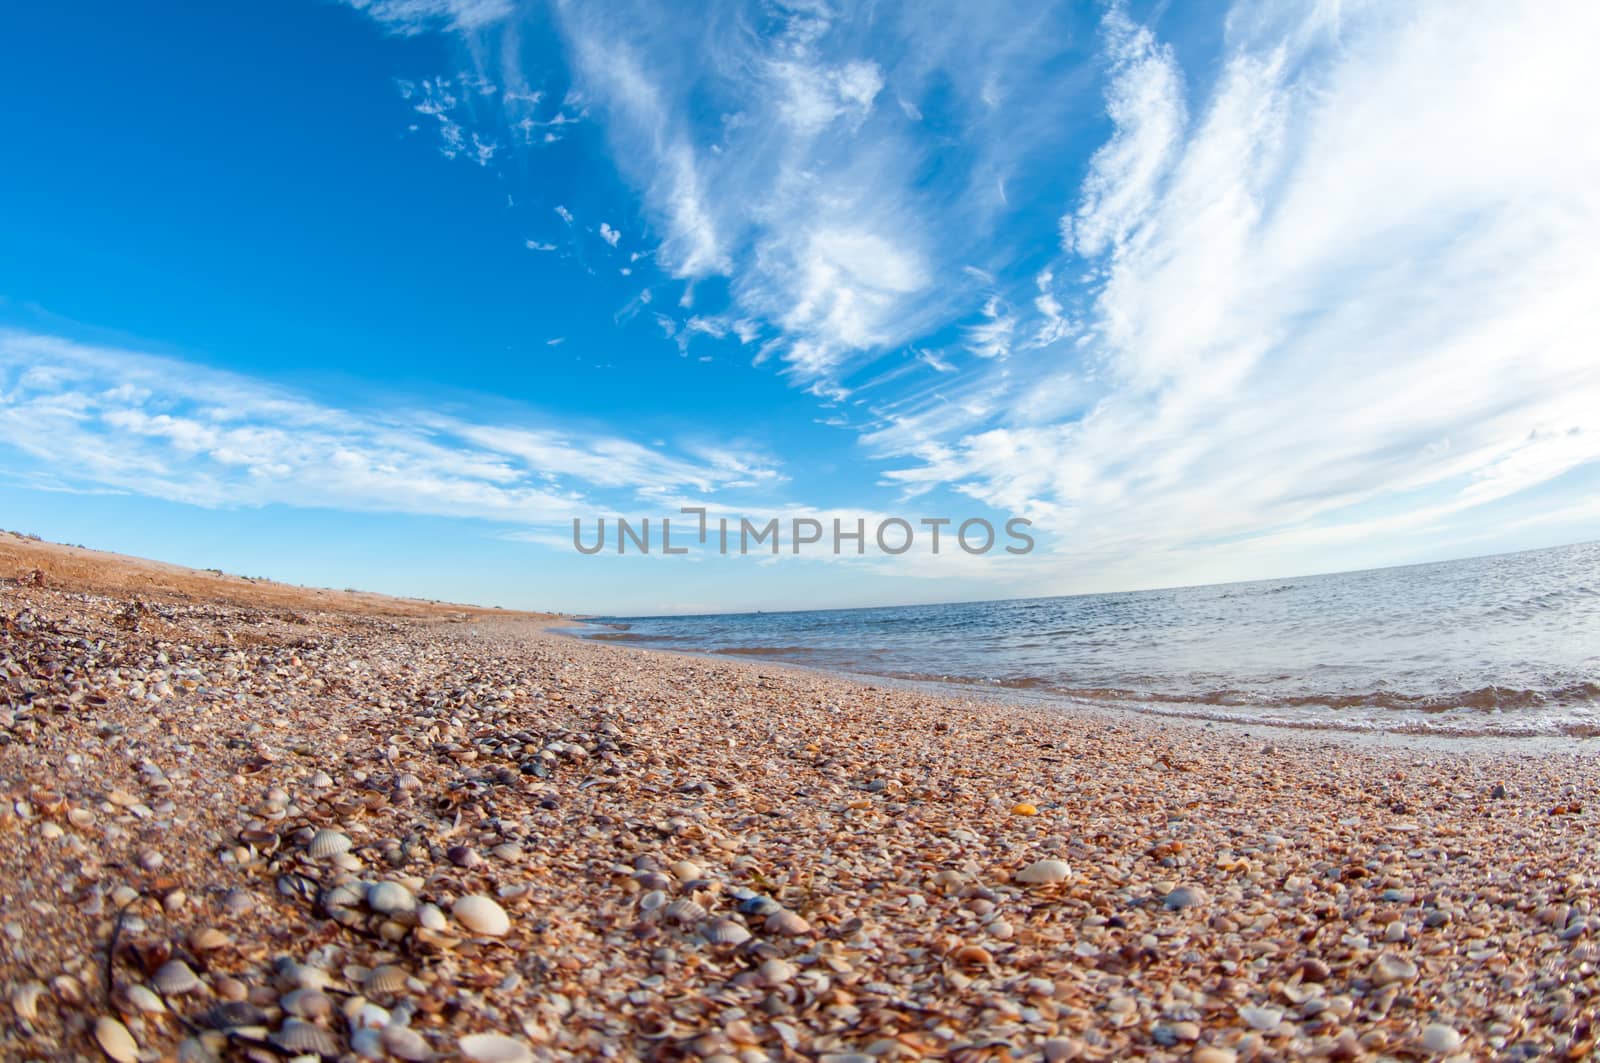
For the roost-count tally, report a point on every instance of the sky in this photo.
(387, 293)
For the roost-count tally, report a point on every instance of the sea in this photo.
(1502, 645)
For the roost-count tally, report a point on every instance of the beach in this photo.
(244, 820)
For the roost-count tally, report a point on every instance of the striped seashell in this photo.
(195, 1050)
(344, 895)
(386, 979)
(300, 1038)
(208, 939)
(328, 843)
(175, 978)
(724, 932)
(684, 910)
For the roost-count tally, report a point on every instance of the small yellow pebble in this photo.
(1022, 808)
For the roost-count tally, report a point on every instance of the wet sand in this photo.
(238, 819)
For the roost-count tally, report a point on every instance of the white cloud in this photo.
(609, 235)
(410, 17)
(1351, 299)
(535, 245)
(564, 214)
(122, 419)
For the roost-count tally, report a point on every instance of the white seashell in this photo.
(494, 1048)
(145, 999)
(403, 1042)
(327, 843)
(724, 932)
(430, 917)
(390, 898)
(652, 900)
(1261, 1018)
(481, 915)
(686, 871)
(175, 978)
(368, 1043)
(1044, 872)
(1439, 1038)
(370, 1016)
(775, 972)
(115, 1040)
(787, 922)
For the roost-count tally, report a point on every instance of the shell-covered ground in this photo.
(238, 829)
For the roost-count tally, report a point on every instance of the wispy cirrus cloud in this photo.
(1346, 293)
(114, 418)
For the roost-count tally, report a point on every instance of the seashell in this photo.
(403, 1042)
(481, 915)
(649, 902)
(368, 1043)
(298, 1037)
(368, 1016)
(724, 932)
(1044, 872)
(328, 843)
(260, 840)
(145, 999)
(431, 918)
(238, 901)
(175, 978)
(208, 939)
(1261, 1018)
(310, 1004)
(462, 855)
(685, 911)
(390, 898)
(386, 979)
(115, 1040)
(788, 923)
(972, 956)
(1023, 808)
(1389, 968)
(195, 1050)
(344, 895)
(293, 975)
(494, 1048)
(232, 1015)
(775, 972)
(25, 1000)
(759, 905)
(686, 871)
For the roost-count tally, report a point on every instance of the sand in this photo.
(721, 860)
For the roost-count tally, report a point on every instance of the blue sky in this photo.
(384, 293)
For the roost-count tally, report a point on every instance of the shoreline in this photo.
(733, 860)
(1046, 700)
